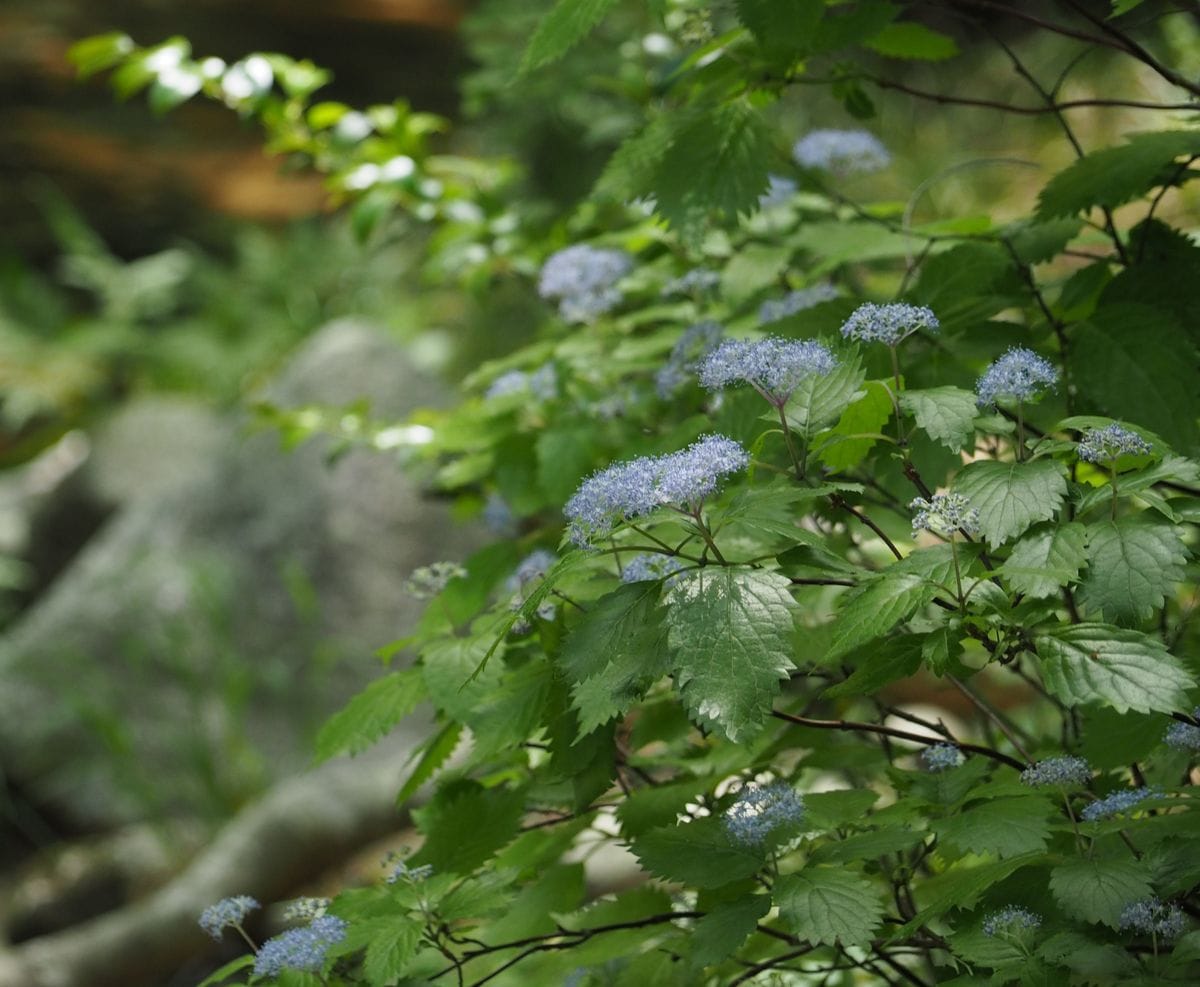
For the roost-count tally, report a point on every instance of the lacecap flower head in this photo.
(1019, 374)
(633, 489)
(779, 192)
(582, 279)
(942, 757)
(775, 309)
(1153, 917)
(1119, 801)
(302, 949)
(944, 514)
(1184, 736)
(773, 366)
(227, 913)
(889, 324)
(1011, 920)
(650, 567)
(1071, 772)
(762, 809)
(841, 151)
(1104, 445)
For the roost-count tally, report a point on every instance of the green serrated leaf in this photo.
(1116, 175)
(616, 651)
(723, 930)
(787, 24)
(913, 41)
(1090, 663)
(1097, 890)
(946, 414)
(658, 805)
(874, 610)
(718, 160)
(1132, 564)
(1006, 827)
(393, 945)
(829, 905)
(455, 840)
(698, 853)
(228, 970)
(841, 448)
(821, 398)
(1011, 497)
(371, 714)
(960, 887)
(730, 632)
(1095, 960)
(879, 665)
(568, 23)
(832, 810)
(1047, 558)
(866, 846)
(631, 169)
(437, 752)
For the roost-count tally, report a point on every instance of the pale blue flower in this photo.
(890, 323)
(760, 810)
(498, 516)
(775, 309)
(1119, 801)
(773, 366)
(1019, 374)
(533, 567)
(1069, 771)
(429, 580)
(1103, 445)
(696, 342)
(841, 151)
(944, 514)
(780, 191)
(542, 383)
(630, 490)
(582, 279)
(1184, 736)
(697, 281)
(942, 757)
(302, 949)
(1011, 920)
(650, 567)
(410, 875)
(227, 913)
(1154, 917)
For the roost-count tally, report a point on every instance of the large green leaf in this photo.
(879, 665)
(960, 887)
(787, 24)
(718, 160)
(1136, 363)
(730, 632)
(1046, 559)
(912, 40)
(1090, 663)
(393, 945)
(1132, 564)
(829, 905)
(844, 446)
(562, 28)
(1116, 175)
(371, 714)
(617, 649)
(821, 398)
(698, 853)
(1005, 827)
(455, 839)
(1097, 890)
(945, 414)
(719, 934)
(1012, 496)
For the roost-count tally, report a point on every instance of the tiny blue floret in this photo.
(760, 810)
(1119, 801)
(650, 567)
(1184, 736)
(841, 151)
(1011, 920)
(1154, 917)
(630, 490)
(696, 342)
(889, 324)
(1103, 445)
(775, 309)
(226, 913)
(302, 949)
(1019, 374)
(582, 279)
(942, 757)
(944, 514)
(1073, 772)
(773, 366)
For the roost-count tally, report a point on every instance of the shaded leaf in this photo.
(371, 714)
(829, 905)
(945, 414)
(1097, 890)
(914, 41)
(1047, 558)
(723, 930)
(1132, 565)
(698, 853)
(568, 23)
(1004, 827)
(1011, 497)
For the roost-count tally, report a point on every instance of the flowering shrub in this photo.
(766, 544)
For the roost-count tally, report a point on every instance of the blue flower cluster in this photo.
(301, 949)
(775, 309)
(1119, 801)
(542, 383)
(429, 580)
(1010, 920)
(942, 757)
(773, 366)
(1154, 917)
(1103, 445)
(650, 567)
(227, 913)
(410, 875)
(760, 810)
(779, 192)
(630, 490)
(696, 342)
(1019, 373)
(498, 516)
(583, 280)
(697, 281)
(1074, 772)
(841, 151)
(531, 568)
(305, 909)
(889, 324)
(1184, 736)
(944, 514)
